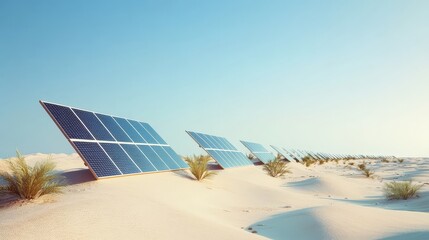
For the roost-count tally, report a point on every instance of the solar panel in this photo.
(259, 151)
(283, 153)
(293, 154)
(113, 146)
(221, 150)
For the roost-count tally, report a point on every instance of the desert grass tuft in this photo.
(400, 160)
(368, 172)
(308, 161)
(30, 182)
(198, 166)
(321, 162)
(276, 168)
(385, 160)
(362, 166)
(401, 190)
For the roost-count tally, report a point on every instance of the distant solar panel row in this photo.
(114, 146)
(221, 150)
(283, 153)
(293, 154)
(259, 151)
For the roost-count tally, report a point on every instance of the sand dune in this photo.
(321, 202)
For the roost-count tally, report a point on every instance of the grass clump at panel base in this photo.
(30, 182)
(198, 166)
(401, 190)
(276, 168)
(308, 161)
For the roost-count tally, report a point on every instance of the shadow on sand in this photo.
(409, 236)
(77, 176)
(419, 204)
(291, 225)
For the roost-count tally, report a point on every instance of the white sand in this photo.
(321, 202)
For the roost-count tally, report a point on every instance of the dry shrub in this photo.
(276, 168)
(368, 173)
(30, 182)
(198, 166)
(308, 161)
(362, 166)
(401, 190)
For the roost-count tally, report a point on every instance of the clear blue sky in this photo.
(333, 76)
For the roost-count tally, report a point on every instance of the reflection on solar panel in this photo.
(114, 146)
(293, 154)
(259, 151)
(221, 150)
(283, 153)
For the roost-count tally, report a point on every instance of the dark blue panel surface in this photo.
(128, 128)
(68, 121)
(139, 158)
(153, 133)
(153, 157)
(120, 158)
(145, 134)
(113, 128)
(176, 157)
(165, 157)
(97, 159)
(94, 125)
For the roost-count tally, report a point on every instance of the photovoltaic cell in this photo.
(114, 128)
(129, 130)
(95, 156)
(139, 158)
(294, 155)
(142, 131)
(114, 146)
(259, 151)
(120, 158)
(151, 154)
(68, 121)
(153, 133)
(284, 154)
(221, 150)
(94, 125)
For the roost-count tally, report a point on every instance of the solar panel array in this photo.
(293, 154)
(283, 153)
(259, 151)
(221, 150)
(114, 146)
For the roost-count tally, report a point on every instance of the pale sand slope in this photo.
(321, 202)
